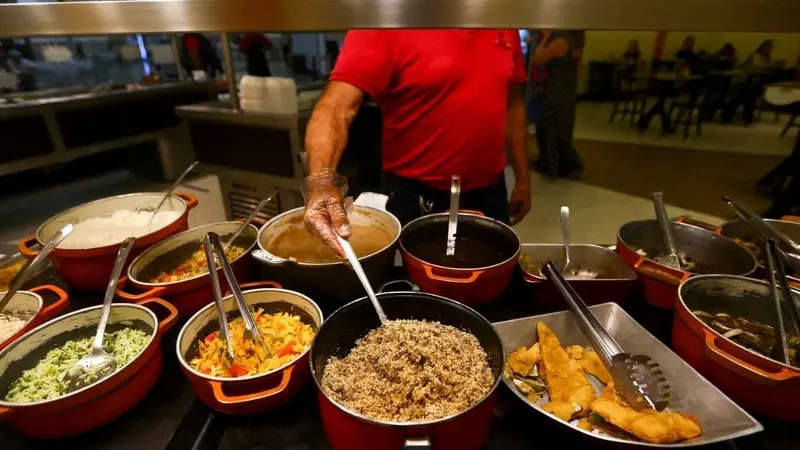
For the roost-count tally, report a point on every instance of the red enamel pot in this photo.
(89, 268)
(191, 294)
(96, 404)
(348, 430)
(29, 306)
(480, 271)
(758, 383)
(639, 242)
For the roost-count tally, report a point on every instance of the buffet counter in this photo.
(170, 417)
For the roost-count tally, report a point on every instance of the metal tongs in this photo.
(452, 220)
(670, 258)
(638, 378)
(213, 247)
(781, 292)
(789, 249)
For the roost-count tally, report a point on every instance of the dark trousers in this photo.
(410, 199)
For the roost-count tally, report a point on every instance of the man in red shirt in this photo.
(452, 103)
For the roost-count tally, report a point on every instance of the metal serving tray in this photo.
(720, 418)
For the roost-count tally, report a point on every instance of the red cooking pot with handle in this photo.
(481, 269)
(348, 430)
(89, 268)
(191, 294)
(255, 393)
(96, 404)
(757, 382)
(29, 306)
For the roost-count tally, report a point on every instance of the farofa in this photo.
(410, 371)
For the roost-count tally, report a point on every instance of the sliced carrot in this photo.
(287, 349)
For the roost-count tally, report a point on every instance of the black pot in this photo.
(347, 430)
(330, 285)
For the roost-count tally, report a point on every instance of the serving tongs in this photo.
(213, 247)
(781, 292)
(670, 258)
(22, 276)
(452, 220)
(788, 247)
(638, 378)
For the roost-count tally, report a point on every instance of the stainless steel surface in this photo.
(780, 290)
(230, 73)
(719, 417)
(98, 364)
(249, 219)
(452, 220)
(638, 378)
(250, 327)
(172, 189)
(565, 237)
(761, 225)
(153, 16)
(592, 258)
(222, 318)
(356, 266)
(31, 266)
(670, 256)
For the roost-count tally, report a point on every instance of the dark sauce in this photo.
(476, 245)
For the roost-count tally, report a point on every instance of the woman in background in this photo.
(560, 53)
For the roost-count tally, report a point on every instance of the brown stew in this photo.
(298, 244)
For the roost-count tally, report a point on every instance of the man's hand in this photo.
(325, 214)
(520, 202)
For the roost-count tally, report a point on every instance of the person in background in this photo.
(686, 53)
(560, 53)
(762, 56)
(725, 59)
(198, 54)
(453, 103)
(632, 55)
(286, 49)
(331, 50)
(254, 45)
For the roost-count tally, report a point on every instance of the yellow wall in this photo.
(601, 45)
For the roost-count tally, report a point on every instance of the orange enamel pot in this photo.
(485, 258)
(29, 306)
(90, 268)
(101, 402)
(256, 393)
(191, 294)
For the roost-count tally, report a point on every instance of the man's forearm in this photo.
(326, 138)
(517, 134)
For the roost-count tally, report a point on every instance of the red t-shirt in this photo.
(443, 97)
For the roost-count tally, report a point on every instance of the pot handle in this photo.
(168, 322)
(472, 211)
(266, 258)
(470, 279)
(420, 443)
(25, 244)
(411, 286)
(225, 399)
(191, 200)
(257, 221)
(653, 270)
(699, 224)
(791, 218)
(134, 298)
(56, 307)
(5, 413)
(742, 367)
(256, 285)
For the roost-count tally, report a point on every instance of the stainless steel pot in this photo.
(330, 284)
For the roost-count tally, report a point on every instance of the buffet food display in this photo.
(433, 368)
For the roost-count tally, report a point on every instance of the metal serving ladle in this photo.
(565, 236)
(98, 364)
(789, 249)
(22, 276)
(452, 220)
(670, 258)
(249, 219)
(172, 188)
(250, 327)
(362, 276)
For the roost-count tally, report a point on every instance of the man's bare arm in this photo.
(517, 152)
(327, 131)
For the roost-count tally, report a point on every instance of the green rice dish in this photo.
(43, 382)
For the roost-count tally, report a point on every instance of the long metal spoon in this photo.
(22, 276)
(98, 364)
(250, 327)
(761, 225)
(452, 220)
(565, 236)
(362, 276)
(172, 188)
(779, 287)
(670, 258)
(222, 318)
(249, 219)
